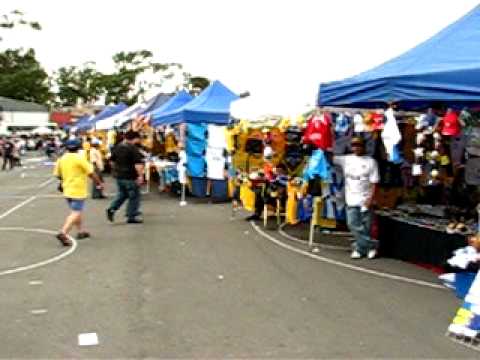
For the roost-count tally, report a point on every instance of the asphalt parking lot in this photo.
(192, 282)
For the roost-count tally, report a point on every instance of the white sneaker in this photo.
(355, 255)
(372, 254)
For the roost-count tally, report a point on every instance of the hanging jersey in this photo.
(451, 125)
(318, 132)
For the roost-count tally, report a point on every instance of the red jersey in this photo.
(451, 124)
(319, 132)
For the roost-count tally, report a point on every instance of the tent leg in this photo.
(311, 234)
(182, 196)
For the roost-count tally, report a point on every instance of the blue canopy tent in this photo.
(156, 102)
(211, 106)
(444, 69)
(174, 103)
(107, 112)
(82, 124)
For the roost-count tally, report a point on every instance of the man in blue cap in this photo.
(73, 170)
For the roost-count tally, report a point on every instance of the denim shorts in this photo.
(76, 204)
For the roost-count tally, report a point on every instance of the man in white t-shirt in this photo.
(361, 177)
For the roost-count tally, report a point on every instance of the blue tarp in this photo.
(444, 69)
(211, 106)
(174, 103)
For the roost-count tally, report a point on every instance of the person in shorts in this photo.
(73, 171)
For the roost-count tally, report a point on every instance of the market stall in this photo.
(433, 157)
(197, 126)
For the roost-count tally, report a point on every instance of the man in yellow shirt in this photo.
(73, 170)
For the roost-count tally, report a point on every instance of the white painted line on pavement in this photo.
(87, 339)
(41, 263)
(346, 265)
(301, 241)
(38, 311)
(34, 160)
(16, 207)
(35, 282)
(50, 196)
(45, 183)
(6, 197)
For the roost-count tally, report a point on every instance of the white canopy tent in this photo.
(261, 108)
(122, 117)
(42, 130)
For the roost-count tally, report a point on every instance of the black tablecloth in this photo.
(409, 242)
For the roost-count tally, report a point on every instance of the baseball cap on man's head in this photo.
(356, 140)
(73, 144)
(132, 135)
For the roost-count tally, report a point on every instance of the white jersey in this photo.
(361, 172)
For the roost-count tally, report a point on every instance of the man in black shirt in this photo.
(7, 151)
(128, 168)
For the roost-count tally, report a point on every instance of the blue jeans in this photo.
(359, 224)
(127, 189)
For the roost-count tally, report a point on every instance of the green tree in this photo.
(16, 18)
(22, 77)
(195, 84)
(76, 84)
(126, 83)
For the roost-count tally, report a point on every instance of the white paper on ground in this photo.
(87, 339)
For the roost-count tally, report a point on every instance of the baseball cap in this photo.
(357, 141)
(73, 144)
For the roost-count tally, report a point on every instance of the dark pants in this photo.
(8, 159)
(127, 189)
(97, 193)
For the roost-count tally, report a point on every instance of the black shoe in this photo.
(64, 240)
(253, 217)
(83, 235)
(135, 221)
(110, 214)
(138, 213)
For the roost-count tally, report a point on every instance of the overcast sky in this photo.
(279, 50)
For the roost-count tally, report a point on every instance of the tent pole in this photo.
(182, 197)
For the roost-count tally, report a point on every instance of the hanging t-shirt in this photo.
(278, 140)
(181, 167)
(360, 173)
(317, 166)
(196, 131)
(450, 124)
(216, 136)
(359, 124)
(391, 134)
(318, 132)
(216, 163)
(378, 121)
(230, 136)
(342, 124)
(170, 143)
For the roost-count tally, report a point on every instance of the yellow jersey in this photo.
(73, 169)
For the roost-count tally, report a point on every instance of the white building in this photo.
(18, 115)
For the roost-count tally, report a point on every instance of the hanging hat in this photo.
(268, 152)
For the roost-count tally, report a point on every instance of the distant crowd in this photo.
(12, 148)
